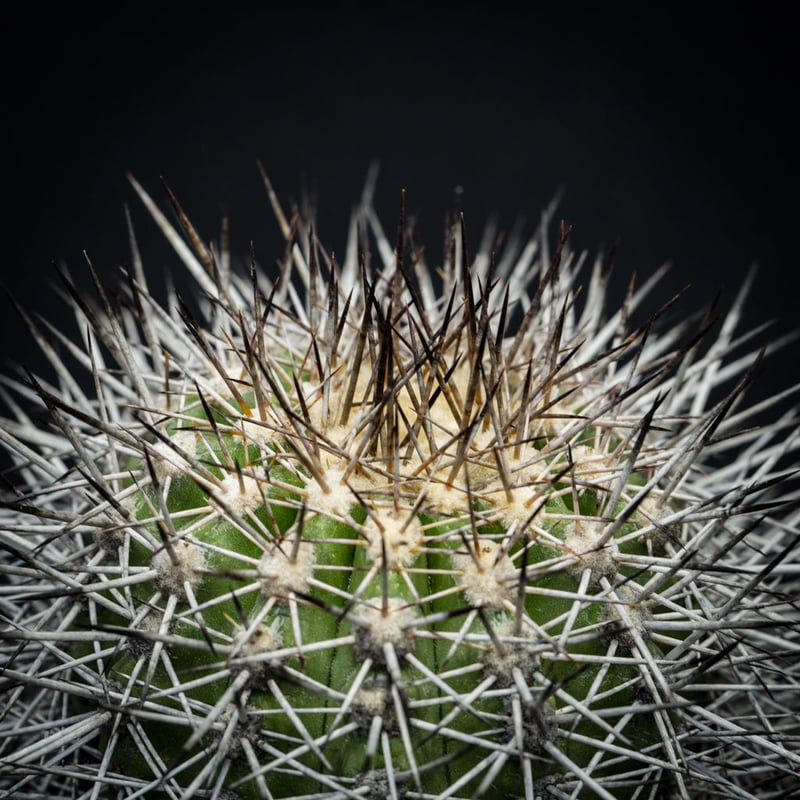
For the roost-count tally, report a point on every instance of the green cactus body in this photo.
(360, 536)
(278, 577)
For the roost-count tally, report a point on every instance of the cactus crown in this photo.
(360, 533)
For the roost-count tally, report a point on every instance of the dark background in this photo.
(671, 132)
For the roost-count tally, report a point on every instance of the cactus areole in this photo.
(366, 529)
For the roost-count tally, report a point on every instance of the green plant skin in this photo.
(321, 618)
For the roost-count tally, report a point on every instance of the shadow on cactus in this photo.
(362, 532)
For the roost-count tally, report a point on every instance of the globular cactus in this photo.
(364, 529)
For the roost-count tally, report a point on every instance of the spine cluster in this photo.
(369, 529)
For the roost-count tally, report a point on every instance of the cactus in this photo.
(363, 530)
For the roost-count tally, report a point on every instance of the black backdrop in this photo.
(671, 132)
